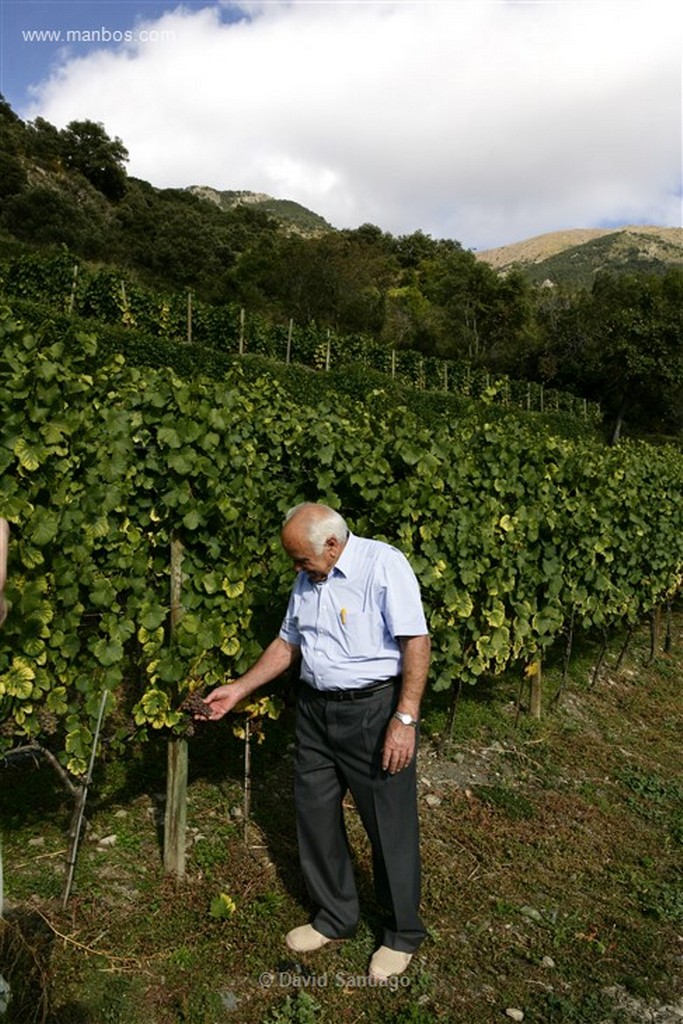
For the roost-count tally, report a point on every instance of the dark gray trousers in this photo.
(339, 749)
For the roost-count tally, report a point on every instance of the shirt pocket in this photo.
(354, 632)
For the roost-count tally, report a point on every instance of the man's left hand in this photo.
(399, 747)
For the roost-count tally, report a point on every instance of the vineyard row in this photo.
(514, 535)
(68, 287)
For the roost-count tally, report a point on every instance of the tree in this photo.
(450, 279)
(337, 279)
(11, 130)
(622, 345)
(411, 320)
(43, 215)
(507, 322)
(87, 148)
(44, 143)
(12, 175)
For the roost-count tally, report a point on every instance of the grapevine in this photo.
(513, 535)
(106, 297)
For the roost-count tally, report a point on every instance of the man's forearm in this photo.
(416, 652)
(276, 659)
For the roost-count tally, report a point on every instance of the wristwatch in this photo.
(405, 719)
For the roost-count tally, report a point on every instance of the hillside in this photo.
(575, 256)
(68, 190)
(290, 215)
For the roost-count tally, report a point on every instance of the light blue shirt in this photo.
(348, 626)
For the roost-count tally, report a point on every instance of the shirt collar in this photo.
(345, 562)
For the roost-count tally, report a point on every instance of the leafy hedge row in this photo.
(512, 532)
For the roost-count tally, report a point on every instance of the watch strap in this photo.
(405, 719)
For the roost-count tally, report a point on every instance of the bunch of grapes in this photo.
(194, 707)
(48, 722)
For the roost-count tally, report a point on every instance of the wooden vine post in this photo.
(175, 818)
(655, 630)
(241, 338)
(74, 283)
(289, 341)
(533, 674)
(247, 780)
(535, 689)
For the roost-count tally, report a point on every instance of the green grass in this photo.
(552, 852)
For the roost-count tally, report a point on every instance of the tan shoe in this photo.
(305, 939)
(385, 963)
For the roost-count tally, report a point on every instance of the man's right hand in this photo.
(276, 659)
(223, 699)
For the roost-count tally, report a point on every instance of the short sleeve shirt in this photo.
(348, 626)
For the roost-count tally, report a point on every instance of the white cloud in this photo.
(481, 121)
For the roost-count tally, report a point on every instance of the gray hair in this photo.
(323, 524)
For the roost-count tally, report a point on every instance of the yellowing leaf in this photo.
(76, 765)
(56, 700)
(18, 680)
(495, 616)
(222, 906)
(462, 606)
(233, 589)
(155, 709)
(30, 456)
(231, 646)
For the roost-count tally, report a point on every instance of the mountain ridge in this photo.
(290, 214)
(577, 254)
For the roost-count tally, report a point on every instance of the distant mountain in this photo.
(290, 215)
(575, 256)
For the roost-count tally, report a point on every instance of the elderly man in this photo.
(355, 622)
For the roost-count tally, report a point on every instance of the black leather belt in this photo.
(357, 694)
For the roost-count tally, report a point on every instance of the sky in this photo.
(482, 121)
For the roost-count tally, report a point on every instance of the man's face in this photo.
(305, 558)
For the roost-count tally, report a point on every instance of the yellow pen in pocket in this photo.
(342, 616)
